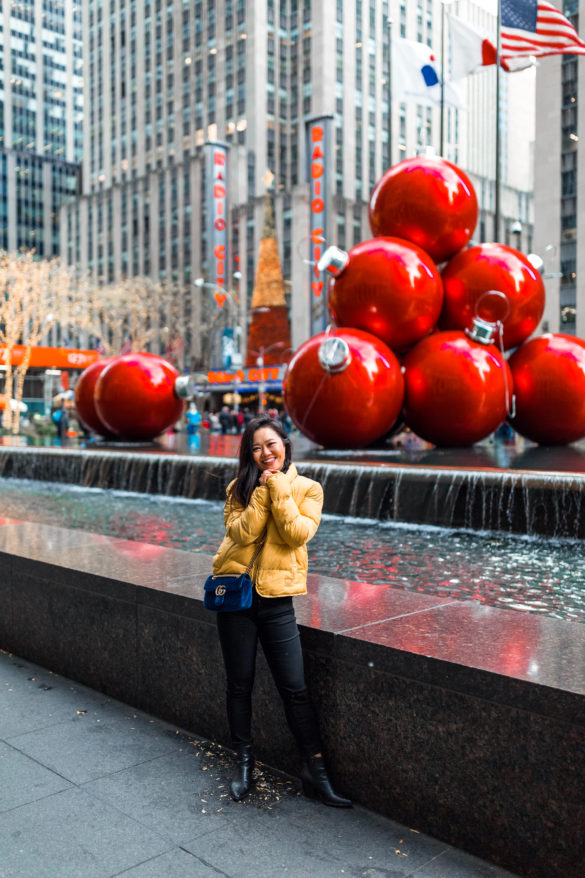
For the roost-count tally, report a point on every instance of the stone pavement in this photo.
(91, 788)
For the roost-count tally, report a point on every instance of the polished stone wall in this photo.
(457, 719)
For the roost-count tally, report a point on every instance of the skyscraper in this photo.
(559, 165)
(41, 107)
(163, 77)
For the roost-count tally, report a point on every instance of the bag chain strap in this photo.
(259, 548)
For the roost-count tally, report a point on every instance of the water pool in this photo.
(529, 574)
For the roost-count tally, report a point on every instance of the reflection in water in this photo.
(518, 573)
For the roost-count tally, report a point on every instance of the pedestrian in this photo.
(270, 501)
(61, 420)
(193, 419)
(225, 420)
(285, 420)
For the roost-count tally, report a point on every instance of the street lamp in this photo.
(236, 356)
(516, 230)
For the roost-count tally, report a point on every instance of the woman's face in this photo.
(268, 450)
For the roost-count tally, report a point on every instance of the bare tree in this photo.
(137, 314)
(35, 294)
(39, 297)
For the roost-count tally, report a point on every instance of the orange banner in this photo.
(266, 374)
(50, 358)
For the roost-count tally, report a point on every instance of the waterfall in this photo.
(513, 501)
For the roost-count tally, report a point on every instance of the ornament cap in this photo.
(334, 260)
(482, 331)
(334, 354)
(185, 387)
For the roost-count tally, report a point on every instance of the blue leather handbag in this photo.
(229, 592)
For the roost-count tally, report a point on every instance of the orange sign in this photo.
(217, 205)
(317, 202)
(50, 358)
(266, 374)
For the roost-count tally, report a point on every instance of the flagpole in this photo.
(389, 24)
(498, 132)
(442, 127)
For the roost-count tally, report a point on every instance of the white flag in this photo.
(416, 76)
(473, 50)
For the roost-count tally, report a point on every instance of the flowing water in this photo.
(538, 575)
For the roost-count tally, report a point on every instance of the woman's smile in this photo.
(268, 450)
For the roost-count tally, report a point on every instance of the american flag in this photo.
(533, 27)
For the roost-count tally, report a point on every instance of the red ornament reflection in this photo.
(474, 282)
(428, 201)
(457, 391)
(84, 396)
(549, 383)
(351, 407)
(390, 288)
(135, 396)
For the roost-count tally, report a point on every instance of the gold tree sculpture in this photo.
(35, 295)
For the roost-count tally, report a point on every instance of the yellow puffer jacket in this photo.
(289, 507)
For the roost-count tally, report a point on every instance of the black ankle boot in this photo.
(243, 781)
(316, 783)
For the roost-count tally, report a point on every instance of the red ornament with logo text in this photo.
(388, 287)
(493, 282)
(135, 396)
(428, 201)
(84, 396)
(343, 388)
(549, 385)
(457, 391)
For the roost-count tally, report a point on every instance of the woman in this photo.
(269, 500)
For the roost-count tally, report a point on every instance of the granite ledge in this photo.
(520, 659)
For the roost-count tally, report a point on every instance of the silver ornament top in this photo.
(334, 354)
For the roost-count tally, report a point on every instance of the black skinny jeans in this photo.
(273, 622)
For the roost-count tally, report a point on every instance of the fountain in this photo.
(508, 500)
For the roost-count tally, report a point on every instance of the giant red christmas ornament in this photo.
(135, 396)
(390, 288)
(84, 396)
(428, 201)
(549, 384)
(493, 282)
(343, 388)
(457, 391)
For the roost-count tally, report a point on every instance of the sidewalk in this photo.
(90, 788)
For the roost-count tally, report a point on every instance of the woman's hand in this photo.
(266, 475)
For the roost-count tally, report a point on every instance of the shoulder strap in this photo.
(257, 551)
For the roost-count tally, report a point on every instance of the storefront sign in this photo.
(50, 358)
(268, 373)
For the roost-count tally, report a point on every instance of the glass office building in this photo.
(41, 113)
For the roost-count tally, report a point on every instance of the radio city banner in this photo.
(217, 212)
(318, 139)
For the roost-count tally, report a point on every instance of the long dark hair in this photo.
(248, 472)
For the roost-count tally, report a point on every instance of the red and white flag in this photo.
(534, 27)
(472, 50)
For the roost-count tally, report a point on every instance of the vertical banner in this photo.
(217, 211)
(318, 140)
